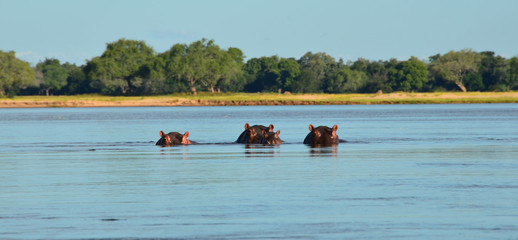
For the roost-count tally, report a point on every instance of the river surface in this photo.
(406, 172)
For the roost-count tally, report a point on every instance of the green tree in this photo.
(194, 64)
(250, 71)
(493, 71)
(473, 82)
(290, 71)
(169, 64)
(409, 75)
(232, 77)
(77, 83)
(346, 81)
(153, 80)
(215, 59)
(512, 74)
(264, 73)
(361, 64)
(436, 82)
(54, 75)
(14, 74)
(121, 67)
(313, 70)
(454, 66)
(222, 66)
(378, 76)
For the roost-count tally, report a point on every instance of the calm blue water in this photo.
(407, 172)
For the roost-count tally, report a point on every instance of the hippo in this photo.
(173, 138)
(322, 136)
(273, 137)
(254, 134)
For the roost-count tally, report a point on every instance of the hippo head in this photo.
(273, 137)
(254, 134)
(173, 138)
(322, 136)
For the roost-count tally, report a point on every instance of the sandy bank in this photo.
(257, 99)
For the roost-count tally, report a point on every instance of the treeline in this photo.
(130, 67)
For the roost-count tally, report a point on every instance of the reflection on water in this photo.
(406, 172)
(260, 150)
(175, 151)
(251, 150)
(316, 151)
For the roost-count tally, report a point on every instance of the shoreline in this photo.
(257, 99)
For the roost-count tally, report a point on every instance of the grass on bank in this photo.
(276, 99)
(390, 98)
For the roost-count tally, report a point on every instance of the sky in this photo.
(76, 31)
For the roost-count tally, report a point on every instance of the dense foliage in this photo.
(14, 74)
(130, 67)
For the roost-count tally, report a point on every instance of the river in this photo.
(405, 172)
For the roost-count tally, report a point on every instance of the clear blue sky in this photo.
(76, 31)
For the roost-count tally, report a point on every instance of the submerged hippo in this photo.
(173, 138)
(254, 134)
(322, 136)
(273, 137)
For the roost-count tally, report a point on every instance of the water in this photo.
(406, 172)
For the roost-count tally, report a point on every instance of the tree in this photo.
(54, 75)
(215, 60)
(250, 71)
(453, 66)
(14, 74)
(473, 82)
(169, 64)
(121, 67)
(361, 64)
(153, 80)
(346, 81)
(512, 74)
(313, 69)
(264, 74)
(194, 63)
(378, 75)
(290, 72)
(232, 77)
(493, 71)
(77, 83)
(222, 66)
(409, 75)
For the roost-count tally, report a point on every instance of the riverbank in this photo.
(250, 99)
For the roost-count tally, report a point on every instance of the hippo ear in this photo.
(311, 128)
(247, 126)
(270, 128)
(184, 138)
(162, 134)
(277, 133)
(335, 127)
